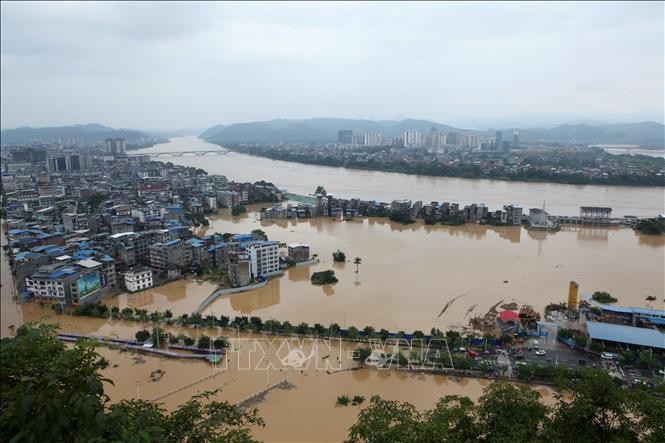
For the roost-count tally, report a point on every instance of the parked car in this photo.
(541, 352)
(607, 356)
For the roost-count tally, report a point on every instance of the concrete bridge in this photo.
(179, 153)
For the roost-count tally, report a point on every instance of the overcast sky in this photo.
(192, 65)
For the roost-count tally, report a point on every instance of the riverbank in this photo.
(468, 171)
(385, 186)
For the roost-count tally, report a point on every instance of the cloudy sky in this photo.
(177, 65)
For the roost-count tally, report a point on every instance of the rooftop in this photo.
(89, 264)
(626, 334)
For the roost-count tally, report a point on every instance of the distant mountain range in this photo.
(321, 130)
(90, 133)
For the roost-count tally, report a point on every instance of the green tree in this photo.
(50, 392)
(419, 335)
(343, 400)
(507, 412)
(352, 332)
(646, 360)
(597, 411)
(603, 297)
(204, 342)
(386, 421)
(220, 343)
(357, 261)
(237, 210)
(142, 335)
(158, 336)
(339, 256)
(452, 420)
(361, 355)
(188, 341)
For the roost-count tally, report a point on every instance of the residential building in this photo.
(138, 279)
(240, 268)
(68, 284)
(115, 146)
(345, 136)
(513, 214)
(228, 199)
(298, 252)
(265, 258)
(174, 254)
(413, 138)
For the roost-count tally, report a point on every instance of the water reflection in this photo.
(249, 302)
(300, 273)
(650, 240)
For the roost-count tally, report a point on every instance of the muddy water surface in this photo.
(385, 186)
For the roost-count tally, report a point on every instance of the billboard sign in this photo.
(88, 284)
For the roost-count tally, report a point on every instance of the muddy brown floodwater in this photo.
(408, 274)
(387, 186)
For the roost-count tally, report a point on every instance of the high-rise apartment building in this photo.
(115, 146)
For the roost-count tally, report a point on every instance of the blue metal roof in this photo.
(44, 236)
(62, 272)
(217, 246)
(55, 252)
(631, 310)
(626, 334)
(172, 242)
(654, 320)
(195, 242)
(243, 238)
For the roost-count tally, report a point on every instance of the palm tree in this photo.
(357, 262)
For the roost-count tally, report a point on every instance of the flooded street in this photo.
(384, 186)
(408, 273)
(311, 415)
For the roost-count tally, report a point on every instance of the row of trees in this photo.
(256, 324)
(50, 392)
(158, 337)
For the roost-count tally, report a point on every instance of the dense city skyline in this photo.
(183, 66)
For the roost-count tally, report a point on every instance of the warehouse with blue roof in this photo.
(628, 335)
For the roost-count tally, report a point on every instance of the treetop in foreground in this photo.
(50, 392)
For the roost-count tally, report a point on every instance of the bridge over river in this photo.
(183, 153)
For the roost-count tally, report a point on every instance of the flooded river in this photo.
(384, 186)
(408, 273)
(311, 415)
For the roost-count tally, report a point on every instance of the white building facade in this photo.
(138, 280)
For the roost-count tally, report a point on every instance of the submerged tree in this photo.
(357, 261)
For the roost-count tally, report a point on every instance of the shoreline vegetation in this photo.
(439, 351)
(52, 377)
(468, 171)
